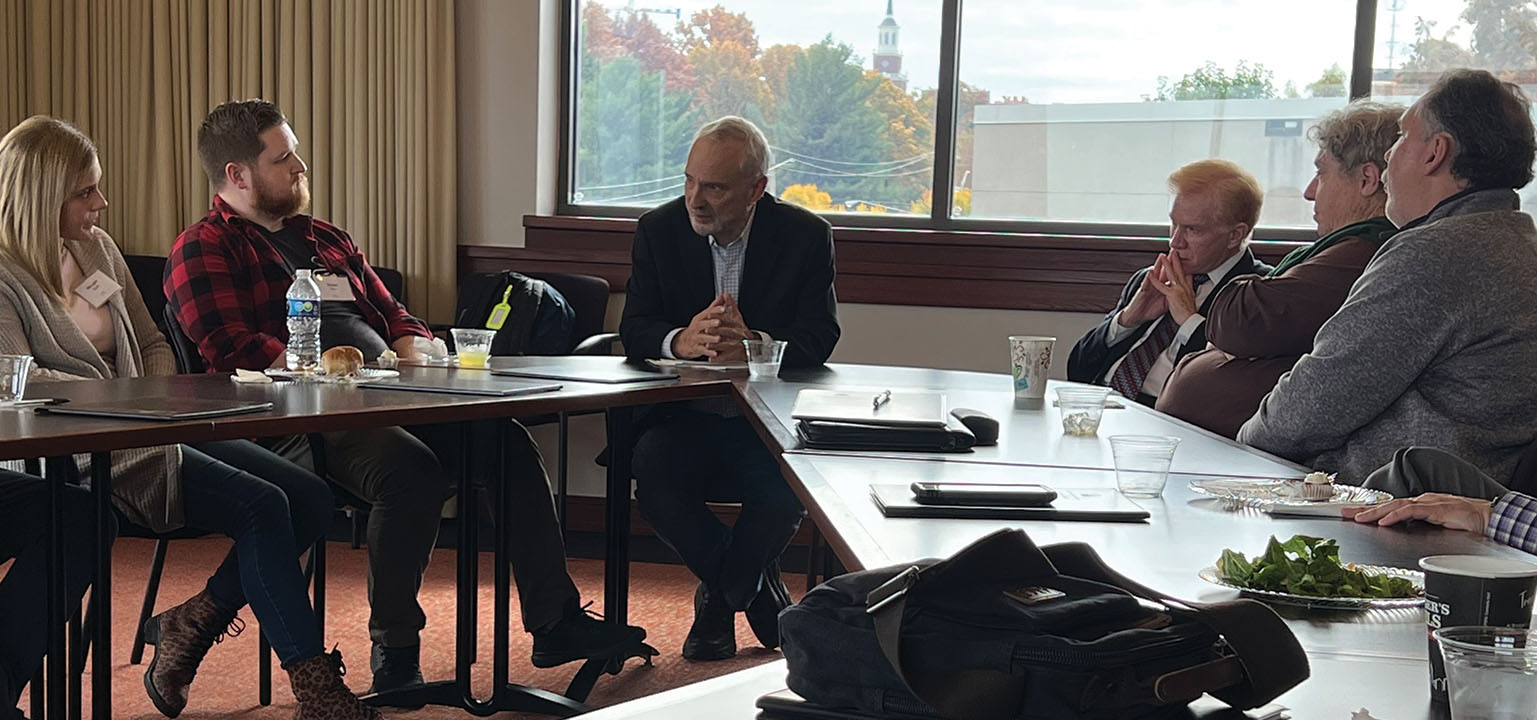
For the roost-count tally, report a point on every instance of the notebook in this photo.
(1091, 504)
(159, 408)
(464, 384)
(918, 408)
(608, 372)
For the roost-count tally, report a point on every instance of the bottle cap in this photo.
(301, 273)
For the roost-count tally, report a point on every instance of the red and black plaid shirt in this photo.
(228, 284)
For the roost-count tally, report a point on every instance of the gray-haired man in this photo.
(724, 263)
(1434, 345)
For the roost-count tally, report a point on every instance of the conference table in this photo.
(1362, 660)
(1369, 659)
(301, 408)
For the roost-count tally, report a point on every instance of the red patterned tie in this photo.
(1128, 378)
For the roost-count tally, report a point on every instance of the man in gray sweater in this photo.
(1436, 344)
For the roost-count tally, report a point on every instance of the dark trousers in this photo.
(274, 510)
(692, 458)
(23, 535)
(406, 474)
(535, 548)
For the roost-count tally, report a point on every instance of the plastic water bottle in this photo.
(303, 323)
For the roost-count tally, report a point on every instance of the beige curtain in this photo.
(367, 84)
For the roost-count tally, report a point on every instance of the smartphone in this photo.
(983, 494)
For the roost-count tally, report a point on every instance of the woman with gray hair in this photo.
(1259, 326)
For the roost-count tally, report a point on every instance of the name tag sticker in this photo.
(334, 288)
(97, 289)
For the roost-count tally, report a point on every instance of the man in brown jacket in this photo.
(1259, 326)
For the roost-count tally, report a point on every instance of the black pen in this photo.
(881, 399)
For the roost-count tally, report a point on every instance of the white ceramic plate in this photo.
(1209, 574)
(366, 374)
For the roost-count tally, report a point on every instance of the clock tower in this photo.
(888, 55)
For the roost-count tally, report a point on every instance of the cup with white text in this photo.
(1473, 590)
(1029, 359)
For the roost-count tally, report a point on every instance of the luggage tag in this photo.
(97, 289)
(500, 311)
(334, 287)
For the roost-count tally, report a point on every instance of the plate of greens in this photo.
(1307, 571)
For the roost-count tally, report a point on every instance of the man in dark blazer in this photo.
(1161, 314)
(723, 264)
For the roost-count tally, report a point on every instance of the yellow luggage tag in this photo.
(500, 311)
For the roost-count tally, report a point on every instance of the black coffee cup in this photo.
(1473, 590)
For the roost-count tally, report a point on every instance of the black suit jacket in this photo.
(786, 289)
(1092, 357)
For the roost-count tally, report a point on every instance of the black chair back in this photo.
(148, 273)
(187, 358)
(394, 282)
(588, 296)
(1524, 479)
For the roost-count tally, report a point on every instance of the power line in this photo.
(919, 171)
(813, 158)
(637, 183)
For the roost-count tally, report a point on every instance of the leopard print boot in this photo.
(182, 636)
(318, 686)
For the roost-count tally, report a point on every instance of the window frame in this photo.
(939, 218)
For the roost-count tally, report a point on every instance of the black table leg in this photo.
(101, 590)
(505, 696)
(616, 526)
(59, 470)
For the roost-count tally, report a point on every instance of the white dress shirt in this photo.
(1163, 367)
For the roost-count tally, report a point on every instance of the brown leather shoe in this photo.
(182, 636)
(318, 686)
(713, 634)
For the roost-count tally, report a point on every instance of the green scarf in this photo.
(1377, 230)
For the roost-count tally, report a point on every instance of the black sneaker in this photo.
(395, 667)
(580, 635)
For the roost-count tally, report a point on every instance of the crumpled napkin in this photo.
(249, 376)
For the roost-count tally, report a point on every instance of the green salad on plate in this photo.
(1308, 566)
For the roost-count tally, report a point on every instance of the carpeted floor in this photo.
(660, 600)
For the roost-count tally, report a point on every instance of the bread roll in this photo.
(341, 361)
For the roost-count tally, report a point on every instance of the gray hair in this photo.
(759, 157)
(1491, 122)
(1358, 133)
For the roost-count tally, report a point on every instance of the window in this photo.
(1073, 111)
(842, 90)
(1068, 116)
(1419, 39)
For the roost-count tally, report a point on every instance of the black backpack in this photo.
(541, 321)
(1005, 630)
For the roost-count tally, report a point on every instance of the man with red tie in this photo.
(1160, 317)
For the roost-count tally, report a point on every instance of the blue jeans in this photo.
(693, 458)
(23, 525)
(274, 510)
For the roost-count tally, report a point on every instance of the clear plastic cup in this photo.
(763, 357)
(1491, 672)
(13, 376)
(473, 346)
(1142, 463)
(1082, 408)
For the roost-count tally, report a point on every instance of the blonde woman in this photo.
(55, 307)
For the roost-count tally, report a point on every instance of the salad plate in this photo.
(1210, 574)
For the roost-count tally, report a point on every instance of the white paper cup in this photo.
(1029, 359)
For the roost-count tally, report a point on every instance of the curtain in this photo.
(368, 86)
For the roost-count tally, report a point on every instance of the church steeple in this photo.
(888, 52)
